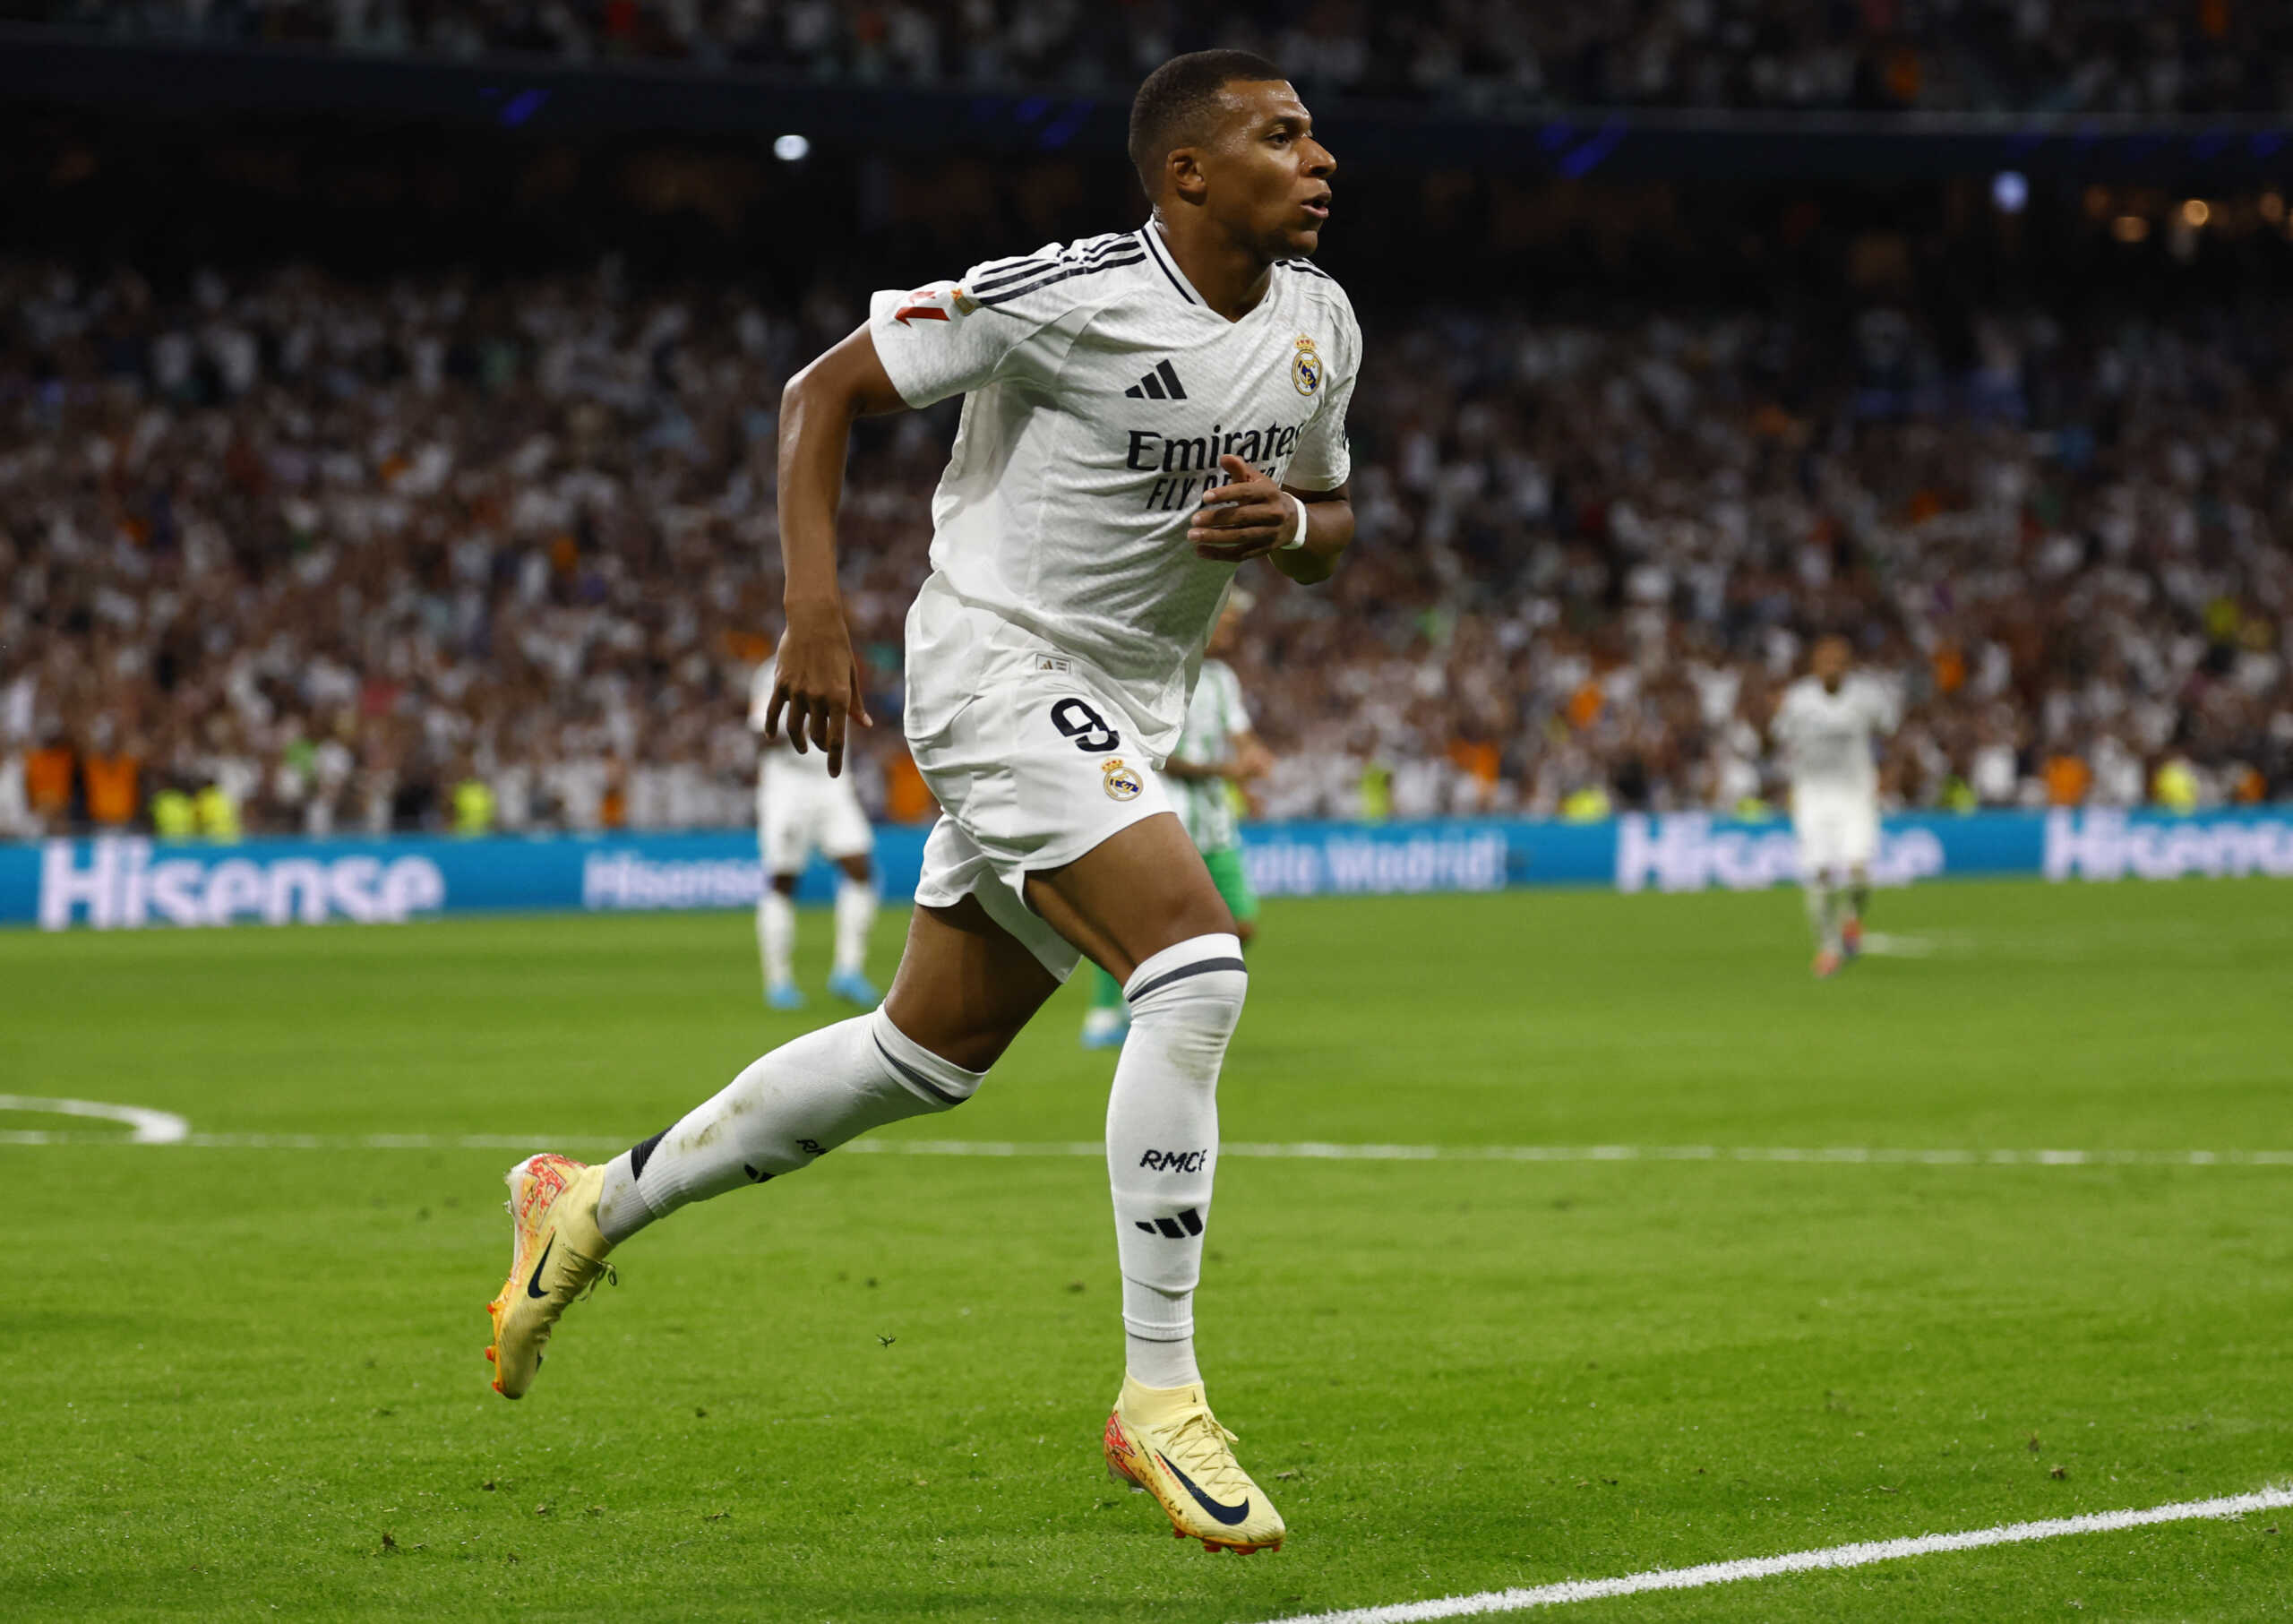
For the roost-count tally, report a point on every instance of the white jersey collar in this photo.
(1159, 251)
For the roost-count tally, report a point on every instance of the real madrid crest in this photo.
(1306, 368)
(1120, 782)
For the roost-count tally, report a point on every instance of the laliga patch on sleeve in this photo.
(935, 304)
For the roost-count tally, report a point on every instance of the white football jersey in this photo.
(1214, 716)
(1827, 737)
(1100, 391)
(780, 760)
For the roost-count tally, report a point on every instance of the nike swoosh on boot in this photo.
(534, 1286)
(1228, 1515)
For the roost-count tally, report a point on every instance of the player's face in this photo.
(1830, 661)
(1269, 178)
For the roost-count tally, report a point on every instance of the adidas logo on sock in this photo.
(1168, 1228)
(1161, 385)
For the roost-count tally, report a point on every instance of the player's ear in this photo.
(1183, 173)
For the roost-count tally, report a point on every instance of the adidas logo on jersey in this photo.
(1161, 385)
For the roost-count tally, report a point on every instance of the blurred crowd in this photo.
(2109, 55)
(286, 554)
(1590, 558)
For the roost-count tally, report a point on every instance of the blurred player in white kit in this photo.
(1829, 724)
(799, 809)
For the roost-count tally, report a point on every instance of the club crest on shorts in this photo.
(1120, 782)
(1305, 367)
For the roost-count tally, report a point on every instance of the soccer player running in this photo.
(1143, 412)
(1218, 751)
(800, 808)
(1829, 724)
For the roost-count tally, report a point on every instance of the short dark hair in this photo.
(1169, 109)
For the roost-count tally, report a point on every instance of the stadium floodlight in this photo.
(790, 149)
(2197, 211)
(2010, 191)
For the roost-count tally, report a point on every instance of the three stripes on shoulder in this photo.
(1010, 279)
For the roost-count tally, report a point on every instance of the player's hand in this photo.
(1246, 518)
(817, 682)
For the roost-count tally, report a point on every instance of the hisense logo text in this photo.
(127, 884)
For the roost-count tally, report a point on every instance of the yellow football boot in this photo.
(555, 1255)
(1166, 1441)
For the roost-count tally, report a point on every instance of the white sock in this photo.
(1158, 1337)
(784, 1112)
(776, 936)
(855, 916)
(1162, 1144)
(1820, 920)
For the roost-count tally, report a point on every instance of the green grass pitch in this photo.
(247, 1382)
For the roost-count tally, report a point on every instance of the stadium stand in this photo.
(290, 553)
(2057, 56)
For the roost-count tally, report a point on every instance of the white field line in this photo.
(159, 1128)
(1799, 1561)
(146, 1126)
(1880, 945)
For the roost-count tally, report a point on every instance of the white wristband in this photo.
(1297, 536)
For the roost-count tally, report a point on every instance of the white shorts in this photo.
(1034, 767)
(1837, 828)
(798, 813)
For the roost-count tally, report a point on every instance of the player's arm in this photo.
(1777, 728)
(1190, 772)
(818, 681)
(1886, 719)
(1892, 770)
(1251, 517)
(760, 704)
(1251, 758)
(1329, 531)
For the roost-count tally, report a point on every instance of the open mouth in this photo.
(1319, 207)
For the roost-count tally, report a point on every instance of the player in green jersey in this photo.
(1217, 752)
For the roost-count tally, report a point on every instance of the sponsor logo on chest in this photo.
(1182, 457)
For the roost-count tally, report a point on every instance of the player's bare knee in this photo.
(1165, 922)
(945, 1027)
